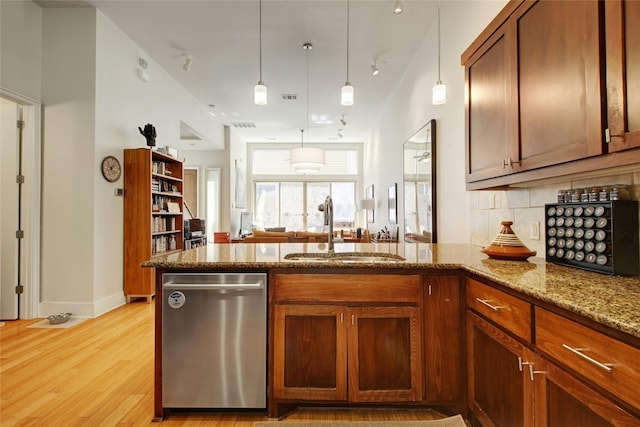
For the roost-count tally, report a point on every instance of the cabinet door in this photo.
(560, 87)
(562, 400)
(385, 354)
(310, 352)
(491, 107)
(500, 391)
(623, 73)
(443, 341)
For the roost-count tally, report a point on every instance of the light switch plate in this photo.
(535, 230)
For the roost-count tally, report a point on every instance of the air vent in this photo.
(289, 96)
(243, 125)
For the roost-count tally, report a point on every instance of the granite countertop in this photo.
(613, 301)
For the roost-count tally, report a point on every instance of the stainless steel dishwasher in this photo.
(214, 340)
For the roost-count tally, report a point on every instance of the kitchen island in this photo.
(431, 299)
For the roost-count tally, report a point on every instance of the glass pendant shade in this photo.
(439, 93)
(260, 94)
(307, 159)
(346, 97)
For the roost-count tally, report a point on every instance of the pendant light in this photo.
(306, 159)
(439, 95)
(346, 96)
(260, 90)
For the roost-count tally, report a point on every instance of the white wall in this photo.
(204, 159)
(410, 108)
(237, 151)
(68, 88)
(93, 103)
(124, 102)
(21, 47)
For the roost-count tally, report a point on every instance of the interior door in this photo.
(9, 208)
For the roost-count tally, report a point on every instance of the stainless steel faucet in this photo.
(327, 208)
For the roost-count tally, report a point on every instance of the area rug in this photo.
(455, 421)
(44, 323)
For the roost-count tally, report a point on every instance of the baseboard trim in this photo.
(82, 309)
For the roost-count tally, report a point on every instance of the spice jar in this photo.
(603, 196)
(619, 192)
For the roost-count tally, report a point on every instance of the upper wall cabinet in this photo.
(536, 94)
(623, 73)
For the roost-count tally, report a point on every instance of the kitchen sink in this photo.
(345, 257)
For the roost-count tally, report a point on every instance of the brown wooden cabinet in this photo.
(563, 400)
(623, 73)
(573, 375)
(491, 113)
(499, 391)
(548, 84)
(336, 338)
(534, 90)
(152, 216)
(443, 341)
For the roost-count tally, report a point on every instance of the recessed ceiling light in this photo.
(321, 119)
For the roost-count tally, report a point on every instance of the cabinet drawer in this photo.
(606, 361)
(346, 288)
(506, 310)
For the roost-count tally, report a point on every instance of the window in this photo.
(294, 205)
(284, 198)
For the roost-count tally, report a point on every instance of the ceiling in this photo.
(223, 39)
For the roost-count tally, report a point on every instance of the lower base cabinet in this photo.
(511, 383)
(563, 400)
(345, 338)
(499, 392)
(319, 349)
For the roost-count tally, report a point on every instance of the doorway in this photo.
(10, 168)
(19, 206)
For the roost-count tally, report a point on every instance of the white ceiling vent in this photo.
(243, 125)
(289, 96)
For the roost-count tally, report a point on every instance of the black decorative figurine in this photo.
(149, 133)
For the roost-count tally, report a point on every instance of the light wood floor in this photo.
(100, 373)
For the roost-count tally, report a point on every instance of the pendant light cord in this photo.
(439, 41)
(307, 98)
(260, 41)
(347, 41)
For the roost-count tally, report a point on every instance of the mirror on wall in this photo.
(420, 185)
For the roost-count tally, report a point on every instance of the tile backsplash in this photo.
(526, 205)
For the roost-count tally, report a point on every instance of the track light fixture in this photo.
(260, 90)
(346, 95)
(187, 62)
(343, 121)
(397, 7)
(374, 68)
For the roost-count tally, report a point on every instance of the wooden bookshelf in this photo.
(153, 222)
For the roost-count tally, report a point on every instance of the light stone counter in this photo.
(613, 301)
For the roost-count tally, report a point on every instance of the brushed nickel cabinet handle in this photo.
(579, 352)
(521, 364)
(488, 304)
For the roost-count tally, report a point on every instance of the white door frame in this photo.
(31, 190)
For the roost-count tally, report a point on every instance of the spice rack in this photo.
(596, 236)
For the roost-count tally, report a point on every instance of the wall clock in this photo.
(111, 169)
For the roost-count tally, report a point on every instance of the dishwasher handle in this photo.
(213, 286)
